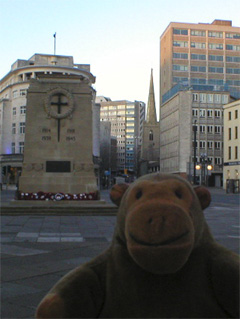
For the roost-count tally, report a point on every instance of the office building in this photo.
(126, 120)
(200, 72)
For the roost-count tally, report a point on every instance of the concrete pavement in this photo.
(38, 249)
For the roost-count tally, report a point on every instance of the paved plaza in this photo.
(37, 250)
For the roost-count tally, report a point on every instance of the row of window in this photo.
(22, 110)
(184, 80)
(202, 57)
(21, 128)
(211, 34)
(212, 160)
(231, 150)
(210, 98)
(209, 113)
(230, 132)
(211, 69)
(230, 114)
(20, 148)
(16, 93)
(209, 129)
(202, 45)
(209, 144)
(117, 107)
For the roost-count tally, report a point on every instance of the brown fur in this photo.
(163, 261)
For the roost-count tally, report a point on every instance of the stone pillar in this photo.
(58, 139)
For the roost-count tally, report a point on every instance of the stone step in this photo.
(60, 210)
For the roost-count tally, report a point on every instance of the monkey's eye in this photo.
(138, 194)
(178, 194)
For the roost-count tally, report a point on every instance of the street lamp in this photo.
(204, 163)
(194, 151)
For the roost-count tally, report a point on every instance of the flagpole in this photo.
(55, 43)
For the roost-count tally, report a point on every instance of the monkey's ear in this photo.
(203, 195)
(117, 191)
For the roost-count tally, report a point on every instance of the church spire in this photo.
(151, 110)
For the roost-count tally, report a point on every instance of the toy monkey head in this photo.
(160, 220)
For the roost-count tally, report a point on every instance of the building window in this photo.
(202, 113)
(229, 116)
(210, 144)
(195, 68)
(22, 128)
(210, 98)
(182, 44)
(21, 147)
(236, 114)
(232, 47)
(202, 129)
(233, 70)
(23, 92)
(179, 67)
(236, 152)
(233, 59)
(217, 98)
(215, 46)
(213, 57)
(15, 94)
(22, 109)
(217, 145)
(224, 99)
(180, 55)
(198, 45)
(217, 129)
(194, 113)
(195, 97)
(229, 152)
(210, 113)
(202, 144)
(151, 135)
(195, 56)
(14, 111)
(233, 35)
(213, 34)
(236, 132)
(13, 128)
(180, 31)
(229, 133)
(215, 70)
(217, 160)
(210, 129)
(202, 97)
(13, 148)
(217, 113)
(198, 33)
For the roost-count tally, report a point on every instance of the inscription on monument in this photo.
(58, 166)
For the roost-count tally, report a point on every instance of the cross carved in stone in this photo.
(59, 104)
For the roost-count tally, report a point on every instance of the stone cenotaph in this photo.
(58, 136)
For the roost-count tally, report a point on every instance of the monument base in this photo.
(49, 196)
(58, 184)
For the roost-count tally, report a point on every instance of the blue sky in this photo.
(119, 38)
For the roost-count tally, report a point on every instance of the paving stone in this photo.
(72, 239)
(20, 251)
(26, 234)
(13, 289)
(48, 239)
